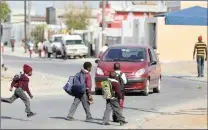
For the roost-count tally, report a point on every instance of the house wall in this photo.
(188, 4)
(176, 42)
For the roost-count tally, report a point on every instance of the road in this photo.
(51, 110)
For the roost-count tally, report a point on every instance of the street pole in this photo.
(25, 24)
(103, 22)
(1, 29)
(29, 19)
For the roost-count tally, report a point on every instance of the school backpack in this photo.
(121, 82)
(68, 85)
(76, 85)
(107, 90)
(16, 78)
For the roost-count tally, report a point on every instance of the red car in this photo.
(139, 63)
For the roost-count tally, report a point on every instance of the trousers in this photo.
(19, 93)
(85, 104)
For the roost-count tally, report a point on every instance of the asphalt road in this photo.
(51, 110)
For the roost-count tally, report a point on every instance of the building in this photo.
(118, 11)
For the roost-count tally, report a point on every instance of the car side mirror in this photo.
(96, 61)
(154, 63)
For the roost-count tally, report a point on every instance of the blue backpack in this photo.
(76, 85)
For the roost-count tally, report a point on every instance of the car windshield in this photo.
(74, 42)
(125, 54)
(57, 39)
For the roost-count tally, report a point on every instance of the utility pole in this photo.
(103, 22)
(25, 24)
(1, 29)
(29, 19)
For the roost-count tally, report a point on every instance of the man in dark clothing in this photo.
(114, 103)
(122, 81)
(86, 98)
(200, 49)
(22, 85)
(64, 51)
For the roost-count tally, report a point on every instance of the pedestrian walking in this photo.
(200, 49)
(12, 41)
(64, 51)
(2, 62)
(103, 49)
(20, 82)
(112, 92)
(44, 48)
(86, 97)
(121, 80)
(30, 45)
(40, 48)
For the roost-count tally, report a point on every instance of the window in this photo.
(57, 39)
(74, 42)
(125, 54)
(150, 59)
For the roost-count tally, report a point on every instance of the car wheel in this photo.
(146, 90)
(157, 90)
(98, 92)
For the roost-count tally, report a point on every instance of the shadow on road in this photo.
(12, 118)
(136, 93)
(198, 111)
(59, 118)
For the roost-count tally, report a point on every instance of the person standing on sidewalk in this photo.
(86, 98)
(200, 49)
(21, 83)
(40, 48)
(12, 41)
(30, 47)
(122, 80)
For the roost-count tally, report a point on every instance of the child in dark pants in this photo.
(22, 85)
(113, 104)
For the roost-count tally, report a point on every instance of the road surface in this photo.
(51, 110)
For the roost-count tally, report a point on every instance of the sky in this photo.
(38, 7)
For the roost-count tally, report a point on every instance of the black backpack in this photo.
(121, 82)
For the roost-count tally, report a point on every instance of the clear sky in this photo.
(38, 7)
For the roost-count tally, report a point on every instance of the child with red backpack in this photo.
(21, 82)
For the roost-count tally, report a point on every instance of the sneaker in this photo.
(70, 119)
(123, 123)
(105, 123)
(31, 114)
(89, 119)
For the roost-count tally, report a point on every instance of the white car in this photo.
(75, 47)
(54, 45)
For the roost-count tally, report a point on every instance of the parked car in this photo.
(75, 47)
(54, 45)
(138, 62)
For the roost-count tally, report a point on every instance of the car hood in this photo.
(126, 67)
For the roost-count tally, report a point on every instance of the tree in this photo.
(78, 19)
(38, 33)
(4, 11)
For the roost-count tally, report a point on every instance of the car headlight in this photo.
(99, 71)
(140, 72)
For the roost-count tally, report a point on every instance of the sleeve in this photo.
(115, 86)
(88, 82)
(28, 90)
(13, 84)
(26, 85)
(123, 76)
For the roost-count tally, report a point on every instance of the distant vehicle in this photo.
(75, 46)
(54, 45)
(138, 62)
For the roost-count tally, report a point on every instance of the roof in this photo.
(190, 16)
(130, 45)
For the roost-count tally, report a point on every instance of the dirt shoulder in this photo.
(192, 115)
(40, 84)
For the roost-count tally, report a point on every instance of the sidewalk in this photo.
(18, 51)
(185, 70)
(192, 115)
